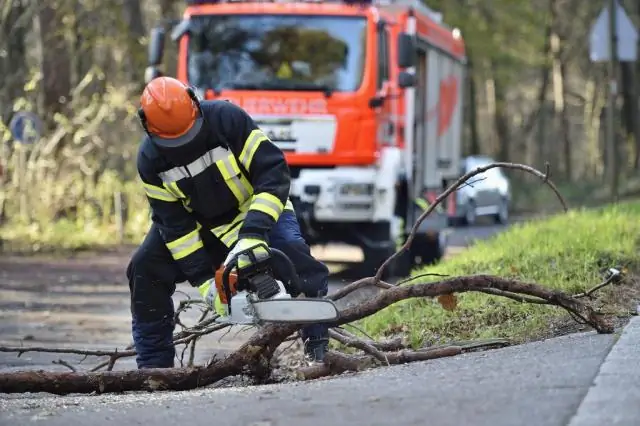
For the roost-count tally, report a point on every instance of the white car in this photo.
(486, 194)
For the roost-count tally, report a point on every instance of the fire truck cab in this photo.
(364, 98)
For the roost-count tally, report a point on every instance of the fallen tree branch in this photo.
(543, 176)
(253, 357)
(516, 297)
(388, 345)
(356, 285)
(24, 349)
(615, 275)
(338, 363)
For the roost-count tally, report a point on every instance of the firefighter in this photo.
(216, 185)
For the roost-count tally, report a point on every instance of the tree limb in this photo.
(543, 176)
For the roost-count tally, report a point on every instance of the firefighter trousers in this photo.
(153, 276)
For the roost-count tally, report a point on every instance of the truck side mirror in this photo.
(156, 46)
(406, 50)
(406, 79)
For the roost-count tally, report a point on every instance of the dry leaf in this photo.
(448, 301)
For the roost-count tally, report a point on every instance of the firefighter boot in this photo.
(316, 342)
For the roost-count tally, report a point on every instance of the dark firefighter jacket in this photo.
(233, 193)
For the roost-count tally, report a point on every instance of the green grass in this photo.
(565, 252)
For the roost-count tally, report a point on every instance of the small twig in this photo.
(418, 276)
(354, 342)
(357, 329)
(192, 353)
(387, 346)
(24, 349)
(66, 364)
(185, 333)
(356, 285)
(614, 276)
(516, 297)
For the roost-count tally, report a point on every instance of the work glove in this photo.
(243, 244)
(210, 295)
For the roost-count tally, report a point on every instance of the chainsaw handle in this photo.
(290, 271)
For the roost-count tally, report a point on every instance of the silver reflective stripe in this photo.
(174, 174)
(277, 209)
(188, 243)
(196, 167)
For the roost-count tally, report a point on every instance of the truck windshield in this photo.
(277, 52)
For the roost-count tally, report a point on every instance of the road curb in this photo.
(614, 396)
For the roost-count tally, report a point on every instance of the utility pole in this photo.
(612, 134)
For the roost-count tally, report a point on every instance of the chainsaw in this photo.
(268, 291)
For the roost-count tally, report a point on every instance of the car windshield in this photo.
(277, 52)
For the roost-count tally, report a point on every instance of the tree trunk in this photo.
(630, 110)
(535, 120)
(82, 58)
(474, 137)
(13, 65)
(500, 116)
(136, 57)
(56, 63)
(14, 27)
(559, 88)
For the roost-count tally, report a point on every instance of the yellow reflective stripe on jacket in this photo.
(173, 188)
(235, 180)
(255, 138)
(185, 245)
(268, 204)
(424, 205)
(158, 193)
(228, 233)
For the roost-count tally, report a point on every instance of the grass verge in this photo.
(566, 252)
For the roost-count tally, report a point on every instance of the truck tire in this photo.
(374, 258)
(426, 250)
(377, 249)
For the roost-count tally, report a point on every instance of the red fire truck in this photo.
(364, 98)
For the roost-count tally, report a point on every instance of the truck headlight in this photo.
(356, 189)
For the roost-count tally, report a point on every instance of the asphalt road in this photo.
(539, 384)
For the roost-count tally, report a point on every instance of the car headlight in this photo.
(356, 189)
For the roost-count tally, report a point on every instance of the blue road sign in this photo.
(25, 127)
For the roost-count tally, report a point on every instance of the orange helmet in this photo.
(170, 112)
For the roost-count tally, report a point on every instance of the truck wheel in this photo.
(374, 258)
(377, 247)
(426, 249)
